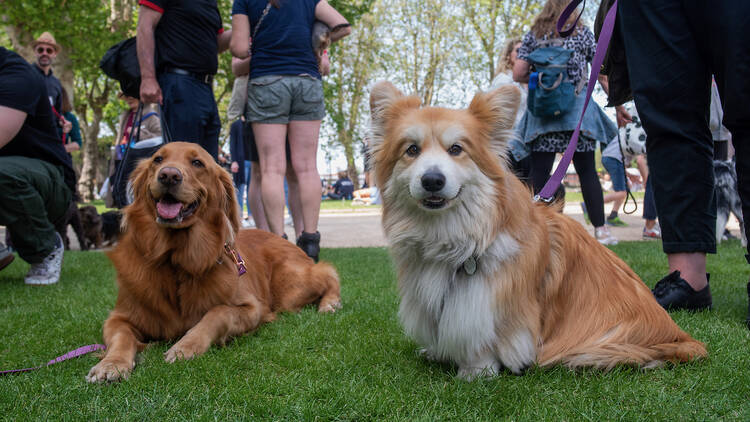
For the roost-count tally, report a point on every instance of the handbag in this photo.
(239, 91)
(135, 151)
(120, 62)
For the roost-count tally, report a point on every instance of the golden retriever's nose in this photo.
(170, 176)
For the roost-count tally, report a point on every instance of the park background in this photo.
(443, 51)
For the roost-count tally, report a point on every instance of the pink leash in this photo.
(548, 191)
(70, 355)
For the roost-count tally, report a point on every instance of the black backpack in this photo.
(120, 62)
(135, 151)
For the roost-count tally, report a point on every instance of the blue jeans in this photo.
(190, 111)
(616, 172)
(242, 197)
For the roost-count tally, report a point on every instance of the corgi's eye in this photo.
(197, 163)
(412, 151)
(455, 149)
(158, 159)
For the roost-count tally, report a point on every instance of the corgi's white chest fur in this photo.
(455, 315)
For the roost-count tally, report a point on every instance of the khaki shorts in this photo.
(281, 99)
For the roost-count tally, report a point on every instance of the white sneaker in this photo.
(604, 237)
(246, 223)
(47, 271)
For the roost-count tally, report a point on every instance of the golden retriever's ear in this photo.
(228, 200)
(497, 111)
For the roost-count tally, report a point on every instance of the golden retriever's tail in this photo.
(323, 274)
(607, 356)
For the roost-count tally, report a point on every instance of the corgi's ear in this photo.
(382, 96)
(497, 111)
(386, 104)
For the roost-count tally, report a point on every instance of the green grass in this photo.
(576, 197)
(326, 205)
(353, 365)
(344, 205)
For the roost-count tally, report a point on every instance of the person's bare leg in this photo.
(616, 198)
(303, 142)
(254, 198)
(295, 203)
(692, 268)
(270, 139)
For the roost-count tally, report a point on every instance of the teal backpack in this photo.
(551, 92)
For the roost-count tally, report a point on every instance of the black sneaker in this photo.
(673, 293)
(310, 244)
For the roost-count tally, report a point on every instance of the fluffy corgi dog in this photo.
(488, 278)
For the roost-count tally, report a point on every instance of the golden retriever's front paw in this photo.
(329, 307)
(109, 371)
(184, 350)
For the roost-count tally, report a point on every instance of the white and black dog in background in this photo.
(727, 198)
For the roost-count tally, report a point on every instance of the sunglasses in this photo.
(48, 50)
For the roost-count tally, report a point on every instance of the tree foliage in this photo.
(440, 50)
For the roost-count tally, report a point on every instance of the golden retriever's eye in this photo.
(455, 149)
(197, 163)
(158, 159)
(412, 151)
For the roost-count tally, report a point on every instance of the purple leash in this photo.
(548, 191)
(70, 355)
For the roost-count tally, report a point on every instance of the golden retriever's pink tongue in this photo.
(168, 210)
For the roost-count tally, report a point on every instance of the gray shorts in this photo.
(280, 99)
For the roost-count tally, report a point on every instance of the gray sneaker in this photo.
(47, 271)
(6, 256)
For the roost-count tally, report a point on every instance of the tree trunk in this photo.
(87, 183)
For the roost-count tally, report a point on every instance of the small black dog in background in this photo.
(92, 227)
(111, 226)
(727, 198)
(72, 218)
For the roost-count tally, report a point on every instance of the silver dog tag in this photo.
(470, 266)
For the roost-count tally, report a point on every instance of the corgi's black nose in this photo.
(433, 181)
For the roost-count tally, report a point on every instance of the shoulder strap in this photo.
(260, 21)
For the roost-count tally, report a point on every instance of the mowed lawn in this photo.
(353, 365)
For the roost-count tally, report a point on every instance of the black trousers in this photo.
(673, 47)
(541, 165)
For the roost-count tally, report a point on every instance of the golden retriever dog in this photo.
(186, 272)
(488, 278)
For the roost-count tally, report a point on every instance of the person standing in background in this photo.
(188, 37)
(46, 49)
(285, 99)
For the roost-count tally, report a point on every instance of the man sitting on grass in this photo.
(343, 188)
(36, 174)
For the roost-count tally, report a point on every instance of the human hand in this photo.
(72, 146)
(66, 125)
(325, 64)
(150, 91)
(235, 167)
(623, 117)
